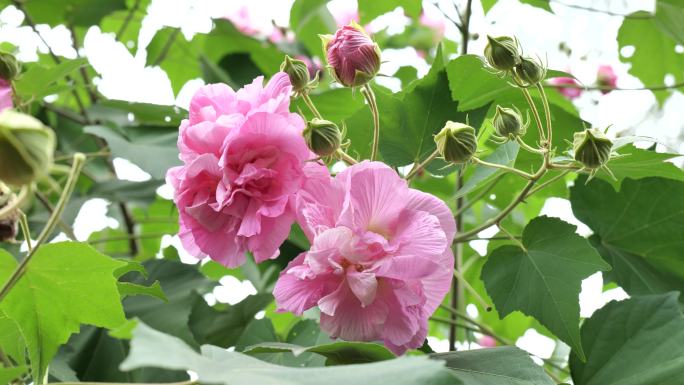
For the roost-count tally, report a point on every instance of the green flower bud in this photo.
(322, 136)
(456, 142)
(8, 224)
(507, 122)
(530, 71)
(502, 53)
(9, 66)
(592, 148)
(298, 73)
(26, 148)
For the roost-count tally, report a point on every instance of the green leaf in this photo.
(506, 365)
(223, 327)
(472, 84)
(504, 154)
(369, 10)
(11, 340)
(125, 113)
(308, 19)
(488, 5)
(7, 375)
(669, 14)
(638, 164)
(634, 274)
(65, 285)
(182, 284)
(543, 4)
(655, 54)
(71, 12)
(633, 342)
(40, 81)
(337, 353)
(644, 218)
(131, 18)
(544, 280)
(150, 348)
(155, 151)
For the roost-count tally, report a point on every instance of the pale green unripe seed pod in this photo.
(507, 122)
(9, 66)
(298, 73)
(322, 136)
(456, 142)
(592, 148)
(530, 71)
(502, 53)
(26, 148)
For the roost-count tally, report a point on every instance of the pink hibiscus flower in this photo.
(5, 95)
(380, 261)
(244, 158)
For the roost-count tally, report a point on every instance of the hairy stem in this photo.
(346, 157)
(77, 165)
(549, 129)
(309, 103)
(458, 275)
(372, 104)
(511, 170)
(535, 112)
(419, 167)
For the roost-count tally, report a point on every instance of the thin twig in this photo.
(420, 166)
(480, 195)
(92, 94)
(604, 11)
(473, 292)
(609, 88)
(48, 206)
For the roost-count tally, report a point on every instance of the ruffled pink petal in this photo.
(296, 294)
(418, 200)
(363, 285)
(349, 320)
(210, 101)
(274, 231)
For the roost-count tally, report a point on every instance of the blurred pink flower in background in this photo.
(5, 95)
(568, 92)
(435, 22)
(244, 161)
(243, 21)
(346, 13)
(486, 342)
(606, 77)
(380, 261)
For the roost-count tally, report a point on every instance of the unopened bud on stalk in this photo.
(26, 148)
(508, 123)
(298, 73)
(9, 66)
(353, 57)
(530, 71)
(592, 148)
(502, 53)
(456, 142)
(322, 136)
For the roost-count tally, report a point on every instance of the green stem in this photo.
(472, 291)
(62, 225)
(449, 321)
(309, 103)
(416, 169)
(372, 104)
(503, 167)
(23, 223)
(479, 196)
(547, 112)
(548, 182)
(484, 329)
(79, 160)
(527, 147)
(535, 112)
(346, 157)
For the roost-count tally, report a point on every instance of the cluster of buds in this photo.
(323, 137)
(26, 148)
(8, 223)
(593, 149)
(300, 77)
(456, 142)
(353, 57)
(508, 124)
(505, 54)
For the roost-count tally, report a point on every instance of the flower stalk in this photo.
(368, 93)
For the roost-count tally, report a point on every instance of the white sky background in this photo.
(592, 37)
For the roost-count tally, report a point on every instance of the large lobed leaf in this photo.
(65, 285)
(543, 280)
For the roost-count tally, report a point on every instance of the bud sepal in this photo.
(508, 124)
(323, 137)
(593, 149)
(502, 53)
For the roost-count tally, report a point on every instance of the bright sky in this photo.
(590, 35)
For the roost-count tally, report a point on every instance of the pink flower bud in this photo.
(606, 77)
(487, 342)
(353, 58)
